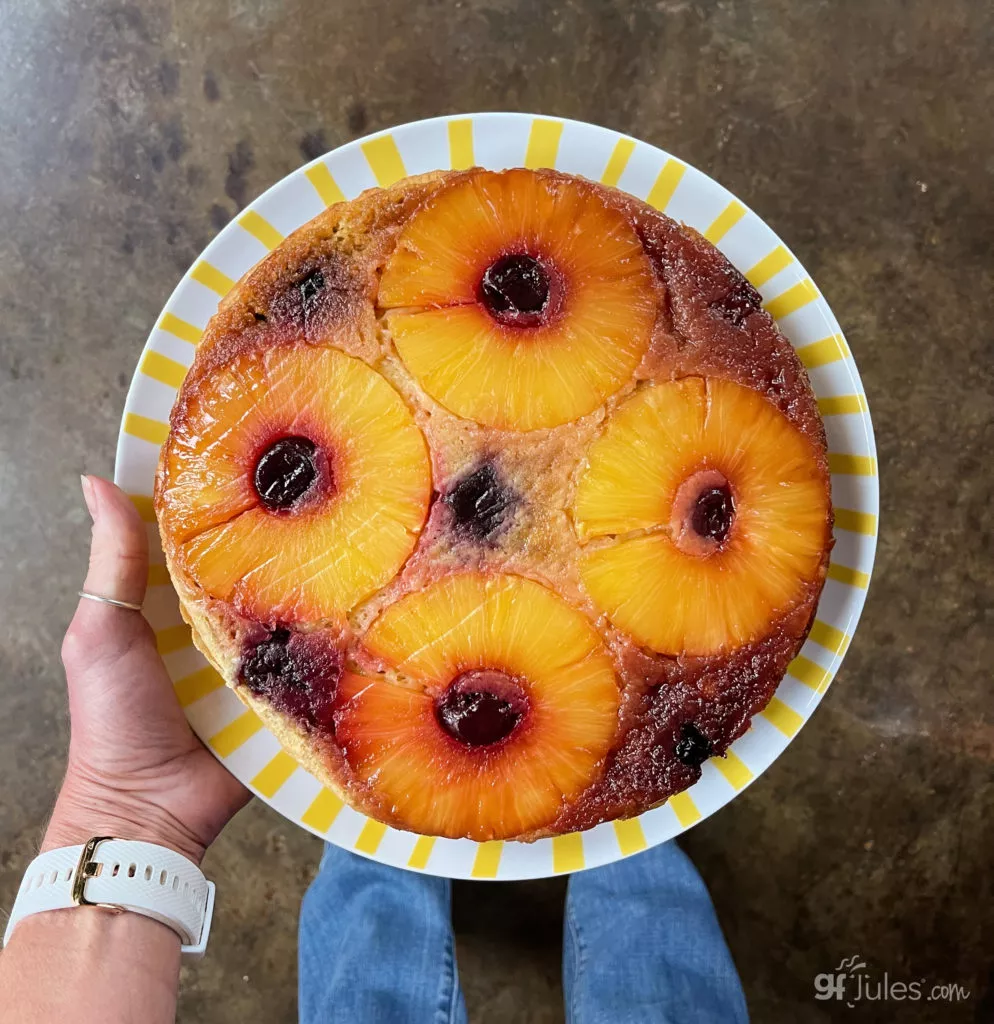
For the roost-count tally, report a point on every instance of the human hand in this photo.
(135, 768)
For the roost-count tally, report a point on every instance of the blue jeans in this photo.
(641, 943)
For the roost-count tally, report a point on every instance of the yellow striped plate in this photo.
(671, 185)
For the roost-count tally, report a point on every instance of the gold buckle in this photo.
(86, 868)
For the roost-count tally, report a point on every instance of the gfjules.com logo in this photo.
(853, 982)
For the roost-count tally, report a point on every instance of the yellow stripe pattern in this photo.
(829, 637)
(197, 685)
(543, 143)
(461, 143)
(819, 353)
(421, 852)
(630, 836)
(567, 853)
(769, 266)
(792, 299)
(272, 777)
(370, 837)
(174, 638)
(210, 277)
(856, 522)
(842, 405)
(783, 717)
(235, 733)
(153, 431)
(146, 509)
(322, 812)
(384, 160)
(163, 369)
(851, 577)
(158, 575)
(725, 221)
(685, 809)
(735, 770)
(324, 184)
(618, 161)
(260, 229)
(851, 465)
(665, 185)
(810, 673)
(487, 859)
(180, 328)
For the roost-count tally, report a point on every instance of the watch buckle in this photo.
(86, 868)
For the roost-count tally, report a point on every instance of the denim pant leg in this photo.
(376, 946)
(642, 944)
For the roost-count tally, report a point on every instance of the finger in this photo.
(118, 547)
(119, 570)
(107, 647)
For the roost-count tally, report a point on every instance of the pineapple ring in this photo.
(675, 592)
(367, 490)
(513, 641)
(588, 284)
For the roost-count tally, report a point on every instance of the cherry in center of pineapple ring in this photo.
(286, 471)
(703, 513)
(481, 707)
(516, 290)
(713, 512)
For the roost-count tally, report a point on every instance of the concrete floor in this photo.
(860, 130)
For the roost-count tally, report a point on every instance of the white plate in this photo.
(496, 141)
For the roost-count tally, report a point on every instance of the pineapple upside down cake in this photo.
(500, 499)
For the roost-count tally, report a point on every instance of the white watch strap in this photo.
(123, 874)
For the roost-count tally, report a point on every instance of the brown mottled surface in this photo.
(861, 131)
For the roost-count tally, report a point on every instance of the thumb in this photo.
(118, 570)
(109, 652)
(119, 546)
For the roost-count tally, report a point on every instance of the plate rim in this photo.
(855, 598)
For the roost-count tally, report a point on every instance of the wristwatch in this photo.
(120, 874)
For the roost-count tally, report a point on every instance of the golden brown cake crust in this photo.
(709, 322)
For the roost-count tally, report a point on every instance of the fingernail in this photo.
(89, 496)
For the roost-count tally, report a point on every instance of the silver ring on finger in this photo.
(130, 605)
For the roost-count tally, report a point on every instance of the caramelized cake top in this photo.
(500, 498)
